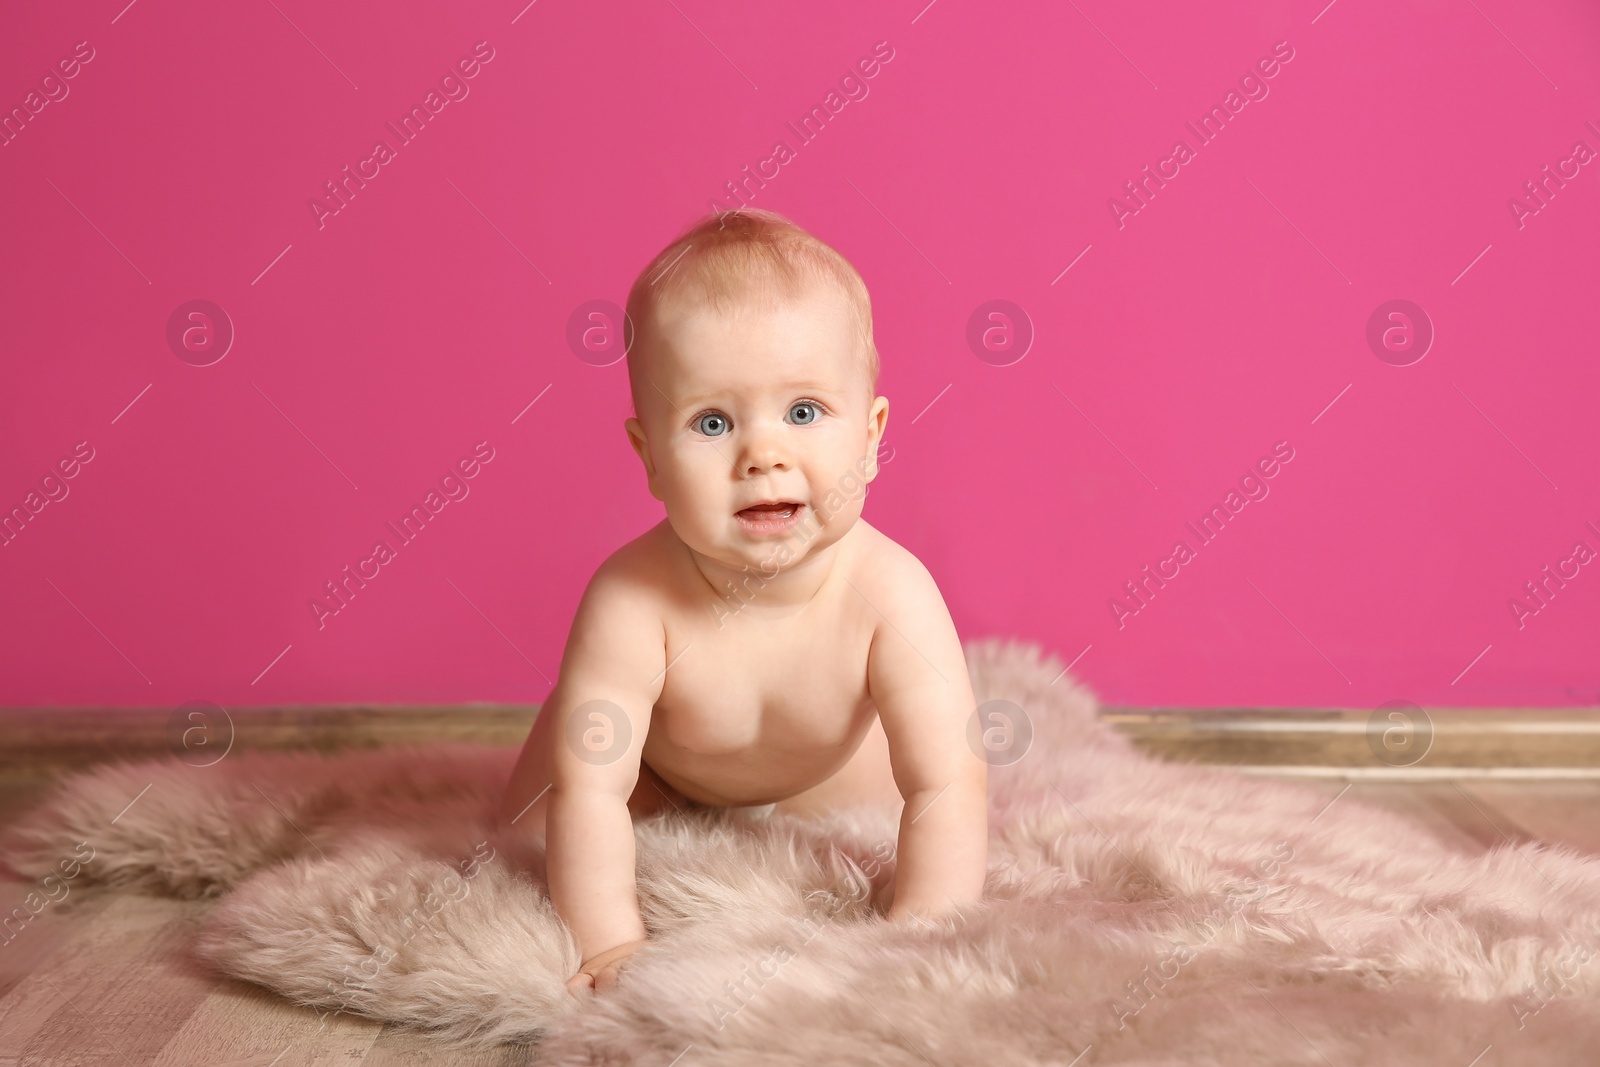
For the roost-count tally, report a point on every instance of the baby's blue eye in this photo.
(809, 413)
(712, 424)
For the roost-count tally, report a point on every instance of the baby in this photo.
(763, 644)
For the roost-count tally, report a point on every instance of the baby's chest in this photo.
(730, 692)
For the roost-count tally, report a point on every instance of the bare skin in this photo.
(716, 663)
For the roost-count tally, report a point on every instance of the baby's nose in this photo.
(766, 461)
(764, 450)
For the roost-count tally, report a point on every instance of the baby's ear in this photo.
(877, 421)
(635, 431)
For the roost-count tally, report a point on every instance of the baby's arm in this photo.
(917, 675)
(611, 675)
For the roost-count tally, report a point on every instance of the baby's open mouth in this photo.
(777, 515)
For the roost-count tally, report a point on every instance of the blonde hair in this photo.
(739, 258)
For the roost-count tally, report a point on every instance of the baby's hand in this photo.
(600, 972)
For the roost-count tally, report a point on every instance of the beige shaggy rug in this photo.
(1136, 912)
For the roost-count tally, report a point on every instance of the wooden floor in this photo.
(103, 978)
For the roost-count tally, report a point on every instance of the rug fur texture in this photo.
(1135, 912)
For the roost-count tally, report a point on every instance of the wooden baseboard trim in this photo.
(1422, 774)
(39, 743)
(1497, 742)
(1446, 739)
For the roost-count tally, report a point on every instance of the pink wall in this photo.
(1176, 340)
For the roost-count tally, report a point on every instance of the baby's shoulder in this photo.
(639, 568)
(621, 586)
(884, 565)
(621, 606)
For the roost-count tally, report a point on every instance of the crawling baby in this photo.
(762, 645)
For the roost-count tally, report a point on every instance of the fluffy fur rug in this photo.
(1136, 912)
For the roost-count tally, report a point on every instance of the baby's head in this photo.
(754, 376)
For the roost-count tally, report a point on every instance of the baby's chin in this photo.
(737, 547)
(764, 559)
